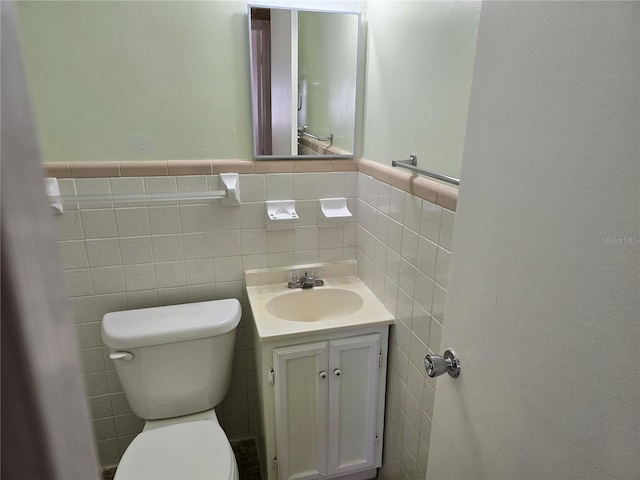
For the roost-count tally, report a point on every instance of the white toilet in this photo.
(174, 364)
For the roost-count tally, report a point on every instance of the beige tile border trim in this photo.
(422, 187)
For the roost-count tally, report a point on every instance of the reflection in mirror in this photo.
(303, 77)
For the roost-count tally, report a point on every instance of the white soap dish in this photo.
(334, 211)
(281, 215)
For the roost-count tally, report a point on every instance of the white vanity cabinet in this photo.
(322, 402)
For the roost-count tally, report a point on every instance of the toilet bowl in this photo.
(192, 450)
(174, 364)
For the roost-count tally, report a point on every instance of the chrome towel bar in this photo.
(411, 164)
(329, 138)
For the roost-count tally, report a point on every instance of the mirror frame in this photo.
(358, 88)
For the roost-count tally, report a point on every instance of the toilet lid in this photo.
(193, 450)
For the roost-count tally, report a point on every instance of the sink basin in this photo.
(315, 304)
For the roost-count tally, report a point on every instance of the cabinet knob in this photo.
(323, 374)
(337, 372)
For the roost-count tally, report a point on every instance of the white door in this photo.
(353, 394)
(543, 305)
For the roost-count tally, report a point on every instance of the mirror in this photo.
(304, 68)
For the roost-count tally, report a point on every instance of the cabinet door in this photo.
(301, 399)
(353, 392)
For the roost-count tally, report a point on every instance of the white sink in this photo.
(342, 303)
(314, 304)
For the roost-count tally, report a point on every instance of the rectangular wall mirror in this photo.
(304, 69)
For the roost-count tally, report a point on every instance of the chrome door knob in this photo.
(436, 365)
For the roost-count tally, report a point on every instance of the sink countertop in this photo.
(264, 285)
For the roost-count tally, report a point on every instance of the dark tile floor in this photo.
(246, 454)
(247, 457)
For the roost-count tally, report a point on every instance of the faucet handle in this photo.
(294, 276)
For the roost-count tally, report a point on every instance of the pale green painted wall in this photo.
(139, 80)
(170, 79)
(420, 57)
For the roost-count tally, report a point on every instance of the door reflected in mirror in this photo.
(304, 67)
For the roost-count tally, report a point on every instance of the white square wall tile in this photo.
(430, 221)
(410, 242)
(99, 223)
(302, 257)
(252, 216)
(442, 267)
(251, 262)
(132, 221)
(437, 307)
(226, 243)
(332, 237)
(191, 183)
(435, 335)
(83, 310)
(253, 188)
(107, 280)
(350, 234)
(160, 184)
(135, 250)
(228, 269)
(396, 204)
(90, 186)
(88, 335)
(167, 248)
(306, 237)
(280, 241)
(427, 253)
(306, 186)
(164, 220)
(407, 277)
(201, 293)
(330, 255)
(74, 254)
(110, 303)
(199, 271)
(128, 185)
(424, 291)
(172, 296)
(194, 218)
(170, 274)
(78, 282)
(142, 299)
(283, 259)
(412, 212)
(446, 228)
(197, 245)
(103, 252)
(308, 211)
(384, 198)
(350, 184)
(139, 277)
(253, 241)
(332, 185)
(223, 217)
(280, 186)
(394, 237)
(69, 226)
(382, 227)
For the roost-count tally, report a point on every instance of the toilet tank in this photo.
(173, 360)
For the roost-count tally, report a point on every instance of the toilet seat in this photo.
(186, 451)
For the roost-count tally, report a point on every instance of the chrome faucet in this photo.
(306, 280)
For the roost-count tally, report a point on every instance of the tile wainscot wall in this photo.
(134, 255)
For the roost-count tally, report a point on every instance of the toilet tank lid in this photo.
(173, 323)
